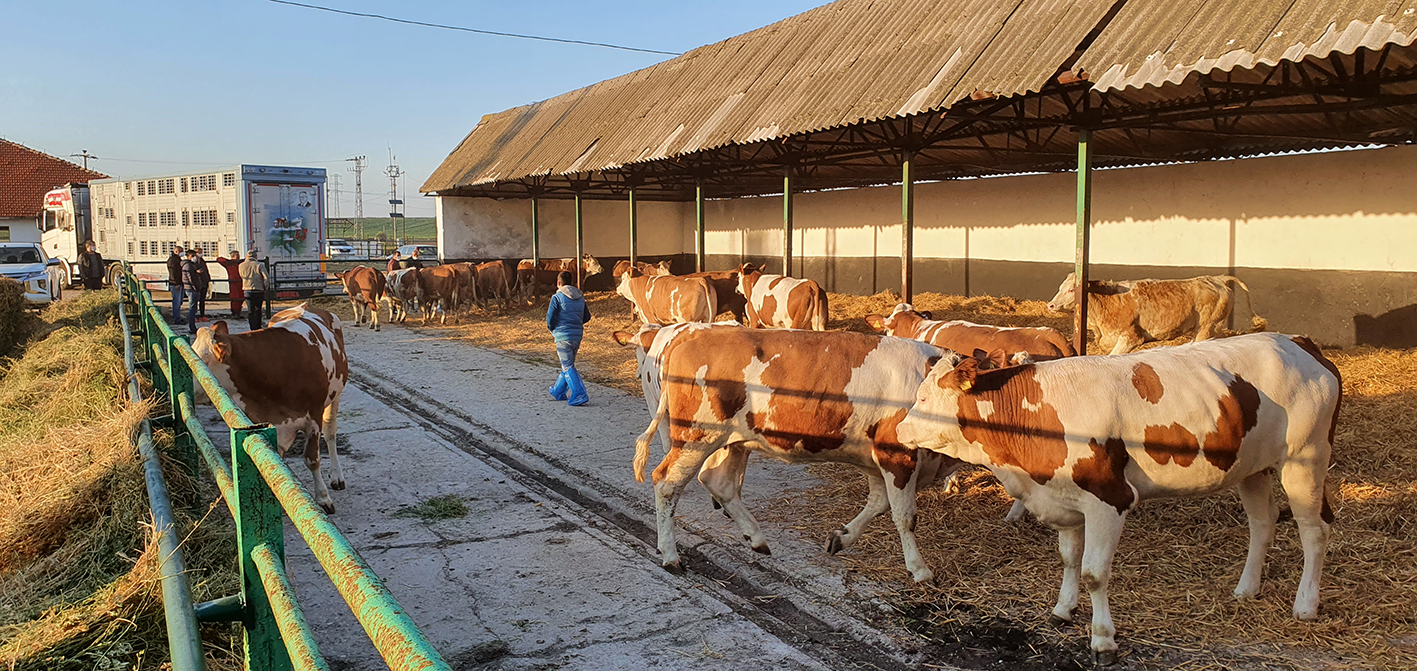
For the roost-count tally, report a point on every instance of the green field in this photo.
(412, 228)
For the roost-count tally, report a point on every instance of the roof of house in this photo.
(26, 175)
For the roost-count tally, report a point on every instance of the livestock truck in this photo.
(273, 212)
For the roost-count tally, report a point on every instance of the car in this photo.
(426, 253)
(338, 247)
(27, 263)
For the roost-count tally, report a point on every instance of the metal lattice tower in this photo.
(360, 163)
(395, 203)
(332, 194)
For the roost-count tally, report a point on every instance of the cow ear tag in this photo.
(966, 385)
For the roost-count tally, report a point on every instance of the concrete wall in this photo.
(20, 229)
(1326, 242)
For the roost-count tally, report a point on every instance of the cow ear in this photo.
(927, 314)
(876, 322)
(220, 327)
(221, 349)
(962, 377)
(622, 337)
(998, 358)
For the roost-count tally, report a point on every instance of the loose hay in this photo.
(1178, 560)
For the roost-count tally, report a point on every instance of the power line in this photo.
(475, 30)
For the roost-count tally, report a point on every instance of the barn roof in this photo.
(969, 87)
(26, 175)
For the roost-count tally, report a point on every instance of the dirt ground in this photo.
(1178, 560)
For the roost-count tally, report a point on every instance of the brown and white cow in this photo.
(1083, 440)
(650, 269)
(1127, 314)
(496, 280)
(668, 299)
(1039, 342)
(531, 277)
(365, 288)
(289, 375)
(467, 283)
(777, 301)
(401, 292)
(800, 396)
(438, 290)
(725, 285)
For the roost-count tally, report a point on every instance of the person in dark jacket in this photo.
(566, 318)
(394, 261)
(91, 266)
(205, 278)
(233, 282)
(191, 282)
(174, 282)
(413, 260)
(253, 281)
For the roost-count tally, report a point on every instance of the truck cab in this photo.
(64, 227)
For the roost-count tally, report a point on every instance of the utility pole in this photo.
(358, 170)
(395, 203)
(86, 155)
(332, 193)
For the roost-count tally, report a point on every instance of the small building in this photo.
(25, 176)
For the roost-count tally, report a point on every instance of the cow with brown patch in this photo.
(777, 301)
(1082, 440)
(365, 288)
(402, 293)
(651, 269)
(1127, 314)
(799, 396)
(438, 288)
(725, 286)
(532, 277)
(1039, 342)
(668, 299)
(496, 281)
(289, 375)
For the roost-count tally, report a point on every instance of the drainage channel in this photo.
(759, 593)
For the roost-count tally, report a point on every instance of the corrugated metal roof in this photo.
(1155, 42)
(861, 61)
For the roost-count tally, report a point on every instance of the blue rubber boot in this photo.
(578, 395)
(561, 388)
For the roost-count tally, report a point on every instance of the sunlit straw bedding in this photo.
(1178, 561)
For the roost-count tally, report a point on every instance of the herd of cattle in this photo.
(1077, 441)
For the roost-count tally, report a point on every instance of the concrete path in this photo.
(554, 566)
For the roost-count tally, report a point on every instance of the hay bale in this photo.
(12, 309)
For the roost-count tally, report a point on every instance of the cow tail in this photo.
(819, 316)
(1257, 323)
(642, 444)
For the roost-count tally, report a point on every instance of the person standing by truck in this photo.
(233, 282)
(205, 280)
(394, 262)
(191, 283)
(91, 267)
(253, 278)
(174, 282)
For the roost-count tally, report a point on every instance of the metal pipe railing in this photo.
(294, 630)
(215, 464)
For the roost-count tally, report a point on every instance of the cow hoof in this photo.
(328, 507)
(834, 543)
(762, 550)
(337, 485)
(1058, 621)
(924, 576)
(674, 567)
(1101, 658)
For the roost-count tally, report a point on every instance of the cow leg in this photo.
(372, 308)
(1103, 528)
(1255, 495)
(1303, 481)
(1016, 512)
(876, 503)
(330, 428)
(679, 466)
(1127, 342)
(1070, 544)
(722, 476)
(902, 502)
(312, 462)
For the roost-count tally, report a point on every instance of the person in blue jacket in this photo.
(566, 318)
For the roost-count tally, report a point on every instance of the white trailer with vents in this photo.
(274, 212)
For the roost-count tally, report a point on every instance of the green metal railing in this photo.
(260, 491)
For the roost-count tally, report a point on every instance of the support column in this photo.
(535, 235)
(258, 522)
(907, 229)
(698, 225)
(1084, 240)
(580, 246)
(787, 220)
(634, 228)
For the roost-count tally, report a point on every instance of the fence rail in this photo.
(259, 491)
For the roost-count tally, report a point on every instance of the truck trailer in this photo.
(274, 212)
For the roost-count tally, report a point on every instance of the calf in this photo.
(1081, 441)
(401, 292)
(438, 290)
(801, 396)
(496, 281)
(776, 301)
(289, 375)
(1039, 342)
(365, 288)
(1127, 314)
(669, 299)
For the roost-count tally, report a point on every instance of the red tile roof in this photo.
(26, 175)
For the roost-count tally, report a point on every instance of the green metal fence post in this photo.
(179, 381)
(535, 235)
(1084, 239)
(787, 220)
(699, 225)
(258, 522)
(580, 243)
(634, 228)
(907, 230)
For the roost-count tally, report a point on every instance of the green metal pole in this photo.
(698, 225)
(580, 245)
(535, 235)
(907, 229)
(787, 220)
(634, 228)
(179, 381)
(258, 522)
(1084, 239)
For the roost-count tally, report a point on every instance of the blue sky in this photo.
(170, 86)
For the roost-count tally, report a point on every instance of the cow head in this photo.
(931, 423)
(747, 275)
(903, 322)
(1066, 298)
(621, 267)
(212, 344)
(591, 266)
